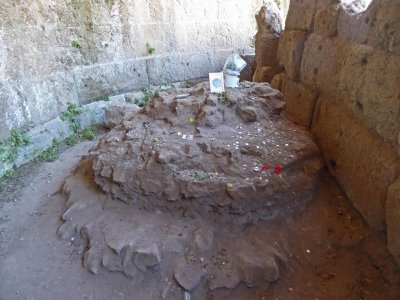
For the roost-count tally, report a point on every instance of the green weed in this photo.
(9, 173)
(151, 50)
(88, 134)
(71, 114)
(223, 98)
(18, 138)
(76, 44)
(8, 147)
(52, 153)
(72, 140)
(148, 95)
(198, 175)
(186, 84)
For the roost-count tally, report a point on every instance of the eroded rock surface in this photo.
(171, 187)
(270, 25)
(189, 157)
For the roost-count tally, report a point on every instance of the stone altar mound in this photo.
(173, 188)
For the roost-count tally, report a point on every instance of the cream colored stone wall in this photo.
(342, 80)
(40, 70)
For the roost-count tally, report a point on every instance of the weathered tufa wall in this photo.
(270, 26)
(342, 79)
(40, 70)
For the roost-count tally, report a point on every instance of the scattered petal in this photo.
(278, 169)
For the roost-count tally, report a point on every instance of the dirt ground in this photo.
(333, 256)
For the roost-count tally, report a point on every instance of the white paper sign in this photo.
(217, 83)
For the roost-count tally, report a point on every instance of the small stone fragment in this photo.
(256, 269)
(212, 100)
(165, 157)
(182, 96)
(189, 276)
(129, 268)
(228, 279)
(203, 240)
(247, 113)
(66, 231)
(111, 261)
(147, 257)
(91, 260)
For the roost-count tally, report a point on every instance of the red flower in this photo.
(278, 169)
(266, 167)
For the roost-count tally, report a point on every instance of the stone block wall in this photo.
(40, 69)
(341, 79)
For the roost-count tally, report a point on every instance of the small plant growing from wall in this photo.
(18, 138)
(186, 84)
(8, 148)
(88, 134)
(52, 153)
(71, 114)
(10, 145)
(151, 50)
(148, 95)
(76, 44)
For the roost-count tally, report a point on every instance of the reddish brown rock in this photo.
(291, 46)
(301, 15)
(361, 161)
(325, 22)
(393, 219)
(172, 149)
(269, 22)
(300, 102)
(321, 63)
